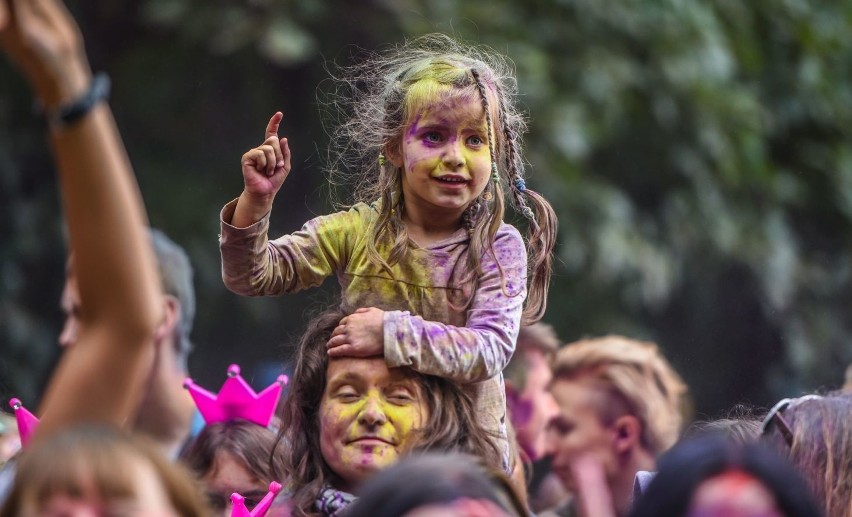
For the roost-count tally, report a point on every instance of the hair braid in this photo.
(542, 221)
(514, 165)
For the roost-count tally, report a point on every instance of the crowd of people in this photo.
(431, 388)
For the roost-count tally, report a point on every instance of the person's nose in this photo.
(551, 408)
(372, 414)
(453, 154)
(69, 333)
(551, 443)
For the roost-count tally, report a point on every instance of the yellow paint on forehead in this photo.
(429, 92)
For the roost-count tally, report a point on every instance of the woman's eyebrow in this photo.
(346, 377)
(403, 382)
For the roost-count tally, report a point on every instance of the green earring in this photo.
(494, 174)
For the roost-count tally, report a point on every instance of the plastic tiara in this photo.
(239, 503)
(237, 400)
(27, 422)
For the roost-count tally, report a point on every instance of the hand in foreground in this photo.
(45, 43)
(361, 334)
(266, 166)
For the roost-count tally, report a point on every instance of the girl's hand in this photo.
(361, 334)
(43, 40)
(266, 167)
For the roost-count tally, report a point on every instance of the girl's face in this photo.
(227, 475)
(445, 159)
(366, 415)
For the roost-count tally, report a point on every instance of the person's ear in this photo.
(171, 313)
(627, 433)
(393, 153)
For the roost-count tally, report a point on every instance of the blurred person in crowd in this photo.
(531, 406)
(231, 457)
(344, 419)
(91, 470)
(166, 412)
(620, 405)
(10, 440)
(233, 453)
(527, 377)
(741, 425)
(439, 485)
(101, 380)
(712, 476)
(814, 433)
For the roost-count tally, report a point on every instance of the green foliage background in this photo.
(698, 155)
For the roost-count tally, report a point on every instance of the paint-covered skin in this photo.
(446, 160)
(424, 325)
(367, 415)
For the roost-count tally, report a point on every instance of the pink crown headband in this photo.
(239, 503)
(27, 422)
(237, 400)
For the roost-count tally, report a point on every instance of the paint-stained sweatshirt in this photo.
(423, 327)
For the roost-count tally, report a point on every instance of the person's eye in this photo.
(475, 140)
(561, 428)
(347, 395)
(400, 396)
(432, 137)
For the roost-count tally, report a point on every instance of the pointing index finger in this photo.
(274, 122)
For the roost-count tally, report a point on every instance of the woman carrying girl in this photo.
(435, 279)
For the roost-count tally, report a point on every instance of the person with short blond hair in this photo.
(621, 404)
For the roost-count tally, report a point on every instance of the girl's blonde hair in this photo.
(378, 98)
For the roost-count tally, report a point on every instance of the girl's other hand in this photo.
(361, 334)
(266, 167)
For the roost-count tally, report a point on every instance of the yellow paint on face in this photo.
(367, 415)
(446, 160)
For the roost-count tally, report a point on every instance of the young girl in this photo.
(434, 277)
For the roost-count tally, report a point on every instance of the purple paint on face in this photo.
(446, 158)
(412, 130)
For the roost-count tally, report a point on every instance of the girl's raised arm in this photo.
(100, 378)
(264, 170)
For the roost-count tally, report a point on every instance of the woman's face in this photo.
(366, 416)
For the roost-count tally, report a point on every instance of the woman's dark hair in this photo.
(819, 446)
(688, 464)
(441, 478)
(450, 426)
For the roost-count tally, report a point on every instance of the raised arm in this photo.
(101, 377)
(264, 170)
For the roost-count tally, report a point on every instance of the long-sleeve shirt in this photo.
(425, 325)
